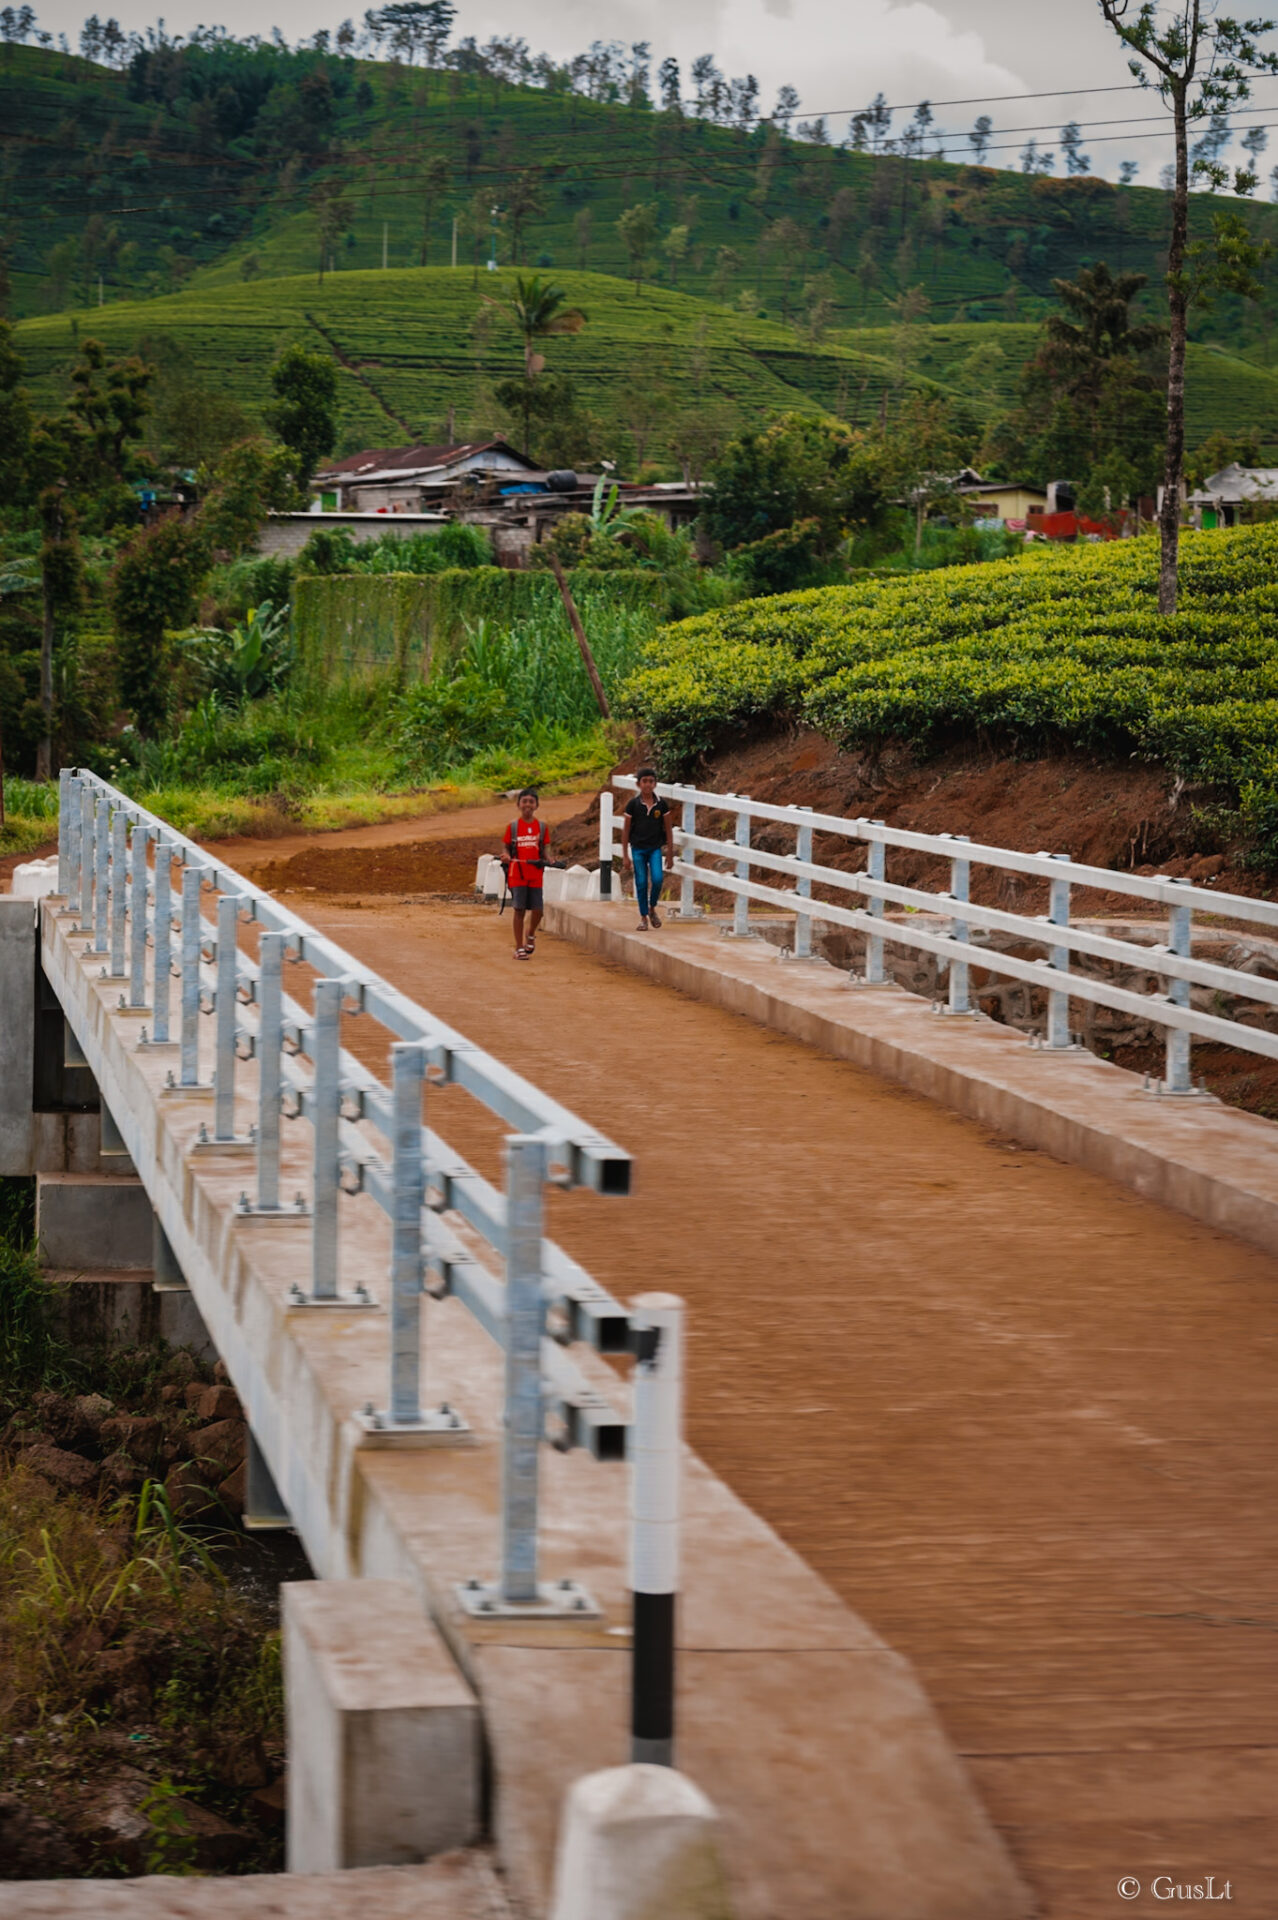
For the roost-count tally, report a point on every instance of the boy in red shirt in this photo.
(525, 851)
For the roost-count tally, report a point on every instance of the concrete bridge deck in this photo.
(1019, 1417)
(840, 1794)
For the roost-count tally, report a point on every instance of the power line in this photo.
(982, 99)
(991, 99)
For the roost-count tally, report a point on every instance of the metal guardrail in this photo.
(115, 869)
(1172, 961)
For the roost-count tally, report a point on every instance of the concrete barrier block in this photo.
(577, 883)
(34, 879)
(636, 1842)
(481, 872)
(383, 1733)
(555, 884)
(93, 1220)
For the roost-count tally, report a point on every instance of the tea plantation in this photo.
(1055, 648)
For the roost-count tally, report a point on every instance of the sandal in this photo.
(522, 953)
(642, 927)
(655, 917)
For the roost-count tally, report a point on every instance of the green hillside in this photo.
(407, 344)
(982, 363)
(201, 164)
(414, 343)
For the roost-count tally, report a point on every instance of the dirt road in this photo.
(1021, 1420)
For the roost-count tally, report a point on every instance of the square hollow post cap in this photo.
(637, 1842)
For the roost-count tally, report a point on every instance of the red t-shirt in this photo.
(527, 843)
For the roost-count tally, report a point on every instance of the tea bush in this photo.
(1056, 647)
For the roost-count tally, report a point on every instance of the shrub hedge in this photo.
(360, 625)
(1059, 646)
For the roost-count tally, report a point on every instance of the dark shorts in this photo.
(526, 899)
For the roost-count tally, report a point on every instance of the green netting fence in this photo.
(411, 626)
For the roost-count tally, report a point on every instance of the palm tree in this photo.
(538, 309)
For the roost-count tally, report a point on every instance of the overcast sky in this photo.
(837, 55)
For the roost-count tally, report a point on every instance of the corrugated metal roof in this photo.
(412, 459)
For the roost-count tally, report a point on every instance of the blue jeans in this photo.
(648, 877)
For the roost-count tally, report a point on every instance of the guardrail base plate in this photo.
(356, 1302)
(209, 1144)
(556, 1600)
(245, 1210)
(439, 1426)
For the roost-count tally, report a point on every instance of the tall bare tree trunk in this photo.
(574, 621)
(1178, 309)
(44, 746)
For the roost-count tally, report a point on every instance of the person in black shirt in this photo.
(647, 842)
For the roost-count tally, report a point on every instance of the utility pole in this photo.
(492, 258)
(385, 232)
(101, 302)
(454, 240)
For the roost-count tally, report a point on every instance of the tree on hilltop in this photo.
(435, 177)
(540, 311)
(638, 230)
(410, 27)
(1198, 62)
(305, 389)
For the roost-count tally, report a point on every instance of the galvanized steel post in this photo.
(687, 885)
(740, 904)
(324, 1048)
(525, 1320)
(876, 869)
(64, 831)
(191, 879)
(137, 918)
(803, 887)
(960, 883)
(270, 1040)
(163, 926)
(1058, 1003)
(87, 851)
(605, 844)
(102, 873)
(226, 1005)
(74, 875)
(408, 1180)
(1180, 941)
(656, 1439)
(119, 889)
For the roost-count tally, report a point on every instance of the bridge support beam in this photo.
(48, 1101)
(383, 1733)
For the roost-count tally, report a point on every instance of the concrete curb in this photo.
(1196, 1156)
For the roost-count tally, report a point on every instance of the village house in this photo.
(488, 484)
(1222, 498)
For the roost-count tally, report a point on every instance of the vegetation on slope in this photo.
(222, 159)
(1051, 648)
(415, 346)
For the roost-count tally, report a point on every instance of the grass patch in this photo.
(30, 815)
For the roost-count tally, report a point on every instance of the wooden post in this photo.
(574, 621)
